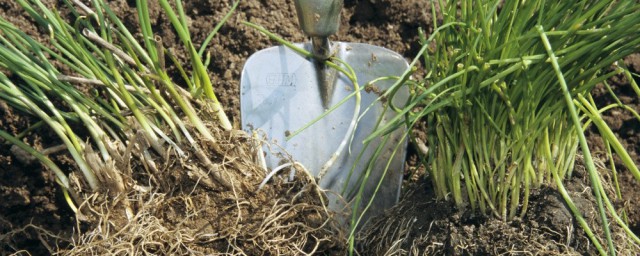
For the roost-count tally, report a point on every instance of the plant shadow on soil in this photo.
(35, 219)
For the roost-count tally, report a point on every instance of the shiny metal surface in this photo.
(319, 18)
(280, 94)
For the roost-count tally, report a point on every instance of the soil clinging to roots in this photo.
(197, 216)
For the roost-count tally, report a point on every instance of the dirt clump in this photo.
(190, 217)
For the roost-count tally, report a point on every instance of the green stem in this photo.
(41, 157)
(593, 175)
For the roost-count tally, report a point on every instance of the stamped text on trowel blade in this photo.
(280, 79)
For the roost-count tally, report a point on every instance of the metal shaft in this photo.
(320, 19)
(321, 48)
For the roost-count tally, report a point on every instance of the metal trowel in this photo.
(282, 91)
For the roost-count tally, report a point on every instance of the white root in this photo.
(273, 172)
(259, 151)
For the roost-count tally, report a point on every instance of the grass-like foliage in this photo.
(158, 159)
(112, 87)
(507, 94)
(506, 97)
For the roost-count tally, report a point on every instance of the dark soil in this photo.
(31, 201)
(422, 225)
(626, 127)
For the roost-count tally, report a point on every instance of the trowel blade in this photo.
(279, 95)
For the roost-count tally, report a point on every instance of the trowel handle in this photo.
(319, 19)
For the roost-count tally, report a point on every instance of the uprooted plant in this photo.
(146, 136)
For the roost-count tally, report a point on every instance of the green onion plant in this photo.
(111, 87)
(506, 99)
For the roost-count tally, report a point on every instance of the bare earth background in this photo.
(30, 200)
